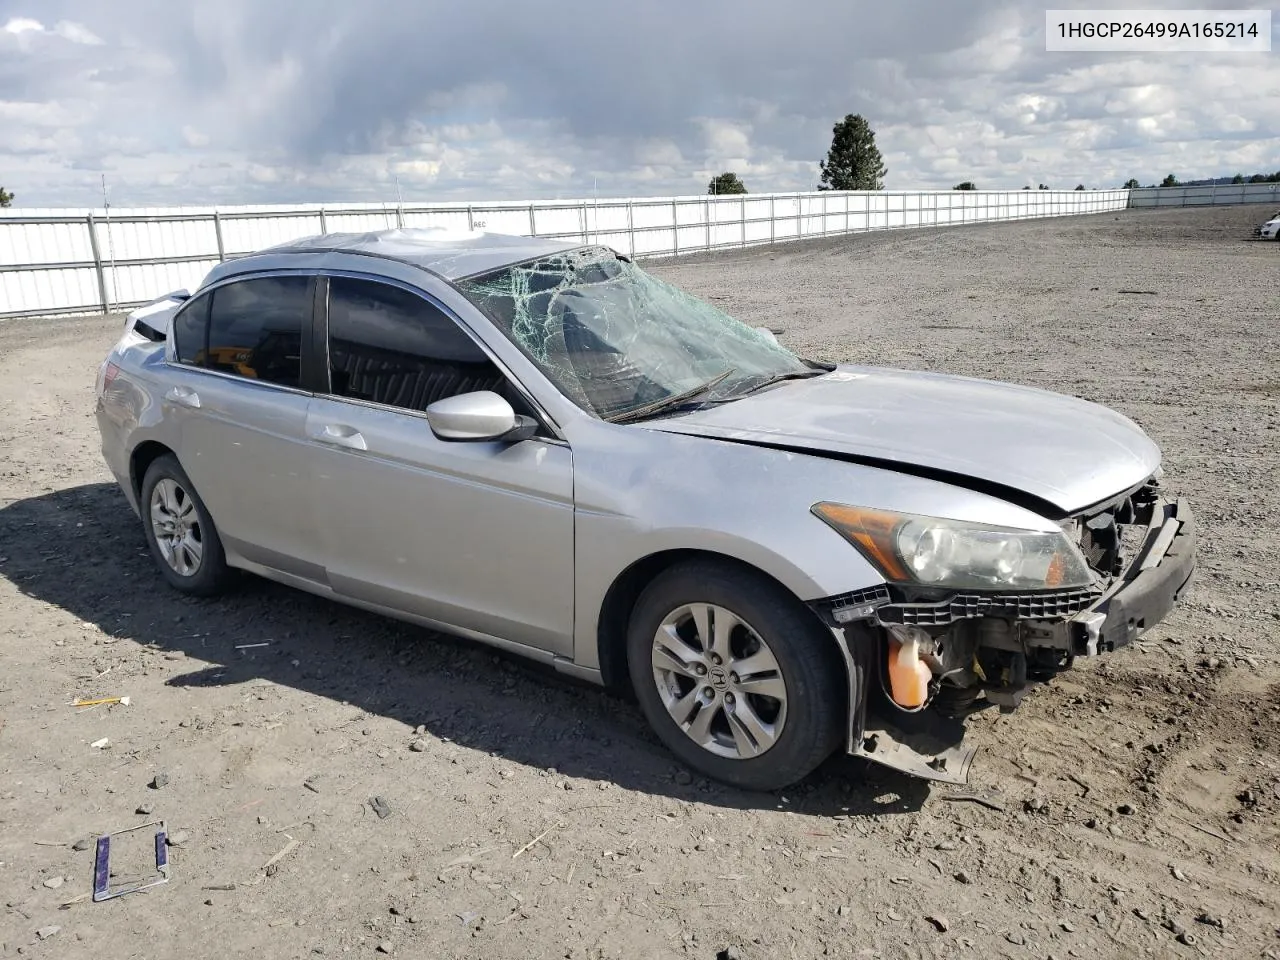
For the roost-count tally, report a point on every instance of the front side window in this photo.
(617, 341)
(255, 328)
(391, 346)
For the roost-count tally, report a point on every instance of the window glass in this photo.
(388, 345)
(255, 328)
(188, 331)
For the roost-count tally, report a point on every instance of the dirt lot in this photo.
(1138, 796)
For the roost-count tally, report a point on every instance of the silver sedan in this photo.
(541, 446)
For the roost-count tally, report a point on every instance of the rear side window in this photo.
(390, 346)
(255, 329)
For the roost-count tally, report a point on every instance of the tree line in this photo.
(853, 162)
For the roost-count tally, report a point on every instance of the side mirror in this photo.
(477, 417)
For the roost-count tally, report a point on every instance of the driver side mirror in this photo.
(477, 417)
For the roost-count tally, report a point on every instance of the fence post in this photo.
(324, 226)
(772, 220)
(97, 264)
(533, 227)
(744, 221)
(675, 229)
(582, 218)
(706, 216)
(217, 232)
(799, 218)
(471, 221)
(631, 230)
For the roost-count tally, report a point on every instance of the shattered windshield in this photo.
(619, 341)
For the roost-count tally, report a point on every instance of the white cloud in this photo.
(77, 33)
(20, 25)
(66, 29)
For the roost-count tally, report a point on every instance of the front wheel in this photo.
(738, 679)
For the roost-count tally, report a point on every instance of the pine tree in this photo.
(854, 161)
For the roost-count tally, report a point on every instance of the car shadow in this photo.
(82, 549)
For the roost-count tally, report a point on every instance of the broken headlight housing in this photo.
(937, 552)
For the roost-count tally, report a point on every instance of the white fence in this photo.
(60, 261)
(1213, 195)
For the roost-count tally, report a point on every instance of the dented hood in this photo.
(1067, 452)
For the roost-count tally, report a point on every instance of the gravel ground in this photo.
(1135, 799)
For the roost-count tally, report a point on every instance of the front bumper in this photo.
(1157, 579)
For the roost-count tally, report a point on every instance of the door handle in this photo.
(341, 435)
(183, 395)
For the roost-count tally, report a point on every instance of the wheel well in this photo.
(143, 456)
(615, 611)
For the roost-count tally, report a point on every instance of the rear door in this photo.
(473, 535)
(237, 399)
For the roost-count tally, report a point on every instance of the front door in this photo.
(473, 535)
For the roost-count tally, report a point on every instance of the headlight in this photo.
(933, 551)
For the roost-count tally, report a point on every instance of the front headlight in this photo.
(936, 552)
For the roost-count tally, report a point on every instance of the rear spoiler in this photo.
(151, 320)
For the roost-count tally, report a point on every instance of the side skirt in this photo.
(559, 663)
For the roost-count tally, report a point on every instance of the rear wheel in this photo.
(737, 678)
(180, 533)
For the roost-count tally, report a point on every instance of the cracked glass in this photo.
(618, 341)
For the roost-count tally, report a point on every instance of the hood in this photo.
(1065, 452)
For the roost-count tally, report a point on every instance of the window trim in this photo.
(320, 383)
(205, 296)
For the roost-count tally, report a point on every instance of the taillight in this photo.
(106, 373)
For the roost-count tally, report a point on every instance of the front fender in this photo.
(640, 492)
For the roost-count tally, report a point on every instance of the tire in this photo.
(736, 729)
(180, 534)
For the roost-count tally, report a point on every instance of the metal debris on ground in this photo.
(123, 701)
(102, 866)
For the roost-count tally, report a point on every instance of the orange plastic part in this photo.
(909, 676)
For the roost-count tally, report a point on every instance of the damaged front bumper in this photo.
(1046, 630)
(1154, 583)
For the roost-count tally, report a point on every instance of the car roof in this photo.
(451, 254)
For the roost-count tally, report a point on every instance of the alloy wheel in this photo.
(176, 526)
(719, 681)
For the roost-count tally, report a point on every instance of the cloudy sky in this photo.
(259, 101)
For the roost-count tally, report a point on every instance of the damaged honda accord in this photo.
(538, 445)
